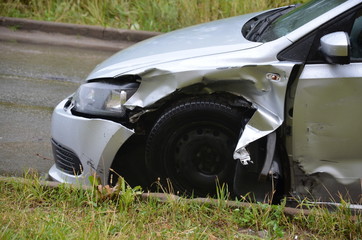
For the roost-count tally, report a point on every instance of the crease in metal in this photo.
(252, 82)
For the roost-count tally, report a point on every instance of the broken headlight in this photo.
(103, 99)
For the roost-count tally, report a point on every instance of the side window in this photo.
(356, 39)
(307, 48)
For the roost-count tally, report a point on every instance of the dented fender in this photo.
(263, 85)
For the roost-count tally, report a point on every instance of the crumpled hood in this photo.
(201, 40)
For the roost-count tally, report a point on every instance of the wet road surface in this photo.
(33, 79)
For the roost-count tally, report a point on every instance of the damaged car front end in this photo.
(213, 102)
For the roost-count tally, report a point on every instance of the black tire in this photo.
(192, 144)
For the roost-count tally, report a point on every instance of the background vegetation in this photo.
(30, 210)
(150, 15)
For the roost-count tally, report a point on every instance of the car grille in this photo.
(66, 160)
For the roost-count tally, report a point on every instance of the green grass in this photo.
(150, 15)
(31, 210)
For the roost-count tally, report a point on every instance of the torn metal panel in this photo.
(269, 106)
(263, 85)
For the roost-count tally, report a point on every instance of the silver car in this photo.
(267, 103)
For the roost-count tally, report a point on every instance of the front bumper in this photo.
(88, 145)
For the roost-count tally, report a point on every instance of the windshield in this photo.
(297, 18)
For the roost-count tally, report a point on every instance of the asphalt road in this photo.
(33, 79)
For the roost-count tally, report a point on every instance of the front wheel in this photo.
(192, 144)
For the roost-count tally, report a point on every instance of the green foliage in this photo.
(222, 193)
(151, 15)
(122, 193)
(31, 210)
(339, 222)
(263, 217)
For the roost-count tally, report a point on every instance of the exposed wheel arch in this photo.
(249, 180)
(130, 158)
(129, 163)
(192, 143)
(135, 169)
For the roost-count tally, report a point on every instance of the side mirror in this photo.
(336, 48)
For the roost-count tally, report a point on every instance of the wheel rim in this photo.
(199, 154)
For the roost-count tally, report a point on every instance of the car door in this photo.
(327, 125)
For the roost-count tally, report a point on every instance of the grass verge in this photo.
(32, 210)
(151, 15)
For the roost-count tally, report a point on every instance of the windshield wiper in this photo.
(261, 24)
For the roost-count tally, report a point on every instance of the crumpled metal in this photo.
(251, 82)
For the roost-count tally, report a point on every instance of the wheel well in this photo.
(147, 120)
(130, 159)
(248, 179)
(192, 143)
(129, 163)
(286, 165)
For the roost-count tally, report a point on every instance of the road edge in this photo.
(55, 33)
